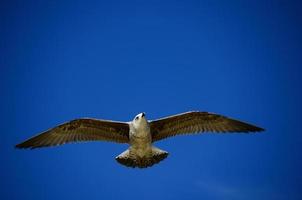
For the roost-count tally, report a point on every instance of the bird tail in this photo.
(130, 160)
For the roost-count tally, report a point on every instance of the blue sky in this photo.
(113, 59)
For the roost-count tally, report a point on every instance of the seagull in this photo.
(139, 133)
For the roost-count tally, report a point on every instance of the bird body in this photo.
(141, 152)
(139, 133)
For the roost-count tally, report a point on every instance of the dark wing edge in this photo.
(197, 122)
(80, 130)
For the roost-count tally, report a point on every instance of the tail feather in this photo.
(141, 162)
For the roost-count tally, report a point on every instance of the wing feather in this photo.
(197, 122)
(80, 130)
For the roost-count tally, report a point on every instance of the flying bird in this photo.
(139, 133)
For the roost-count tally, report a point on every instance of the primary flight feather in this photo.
(140, 133)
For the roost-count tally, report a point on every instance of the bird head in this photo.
(140, 119)
(139, 116)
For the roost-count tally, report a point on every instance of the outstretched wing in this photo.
(197, 122)
(80, 130)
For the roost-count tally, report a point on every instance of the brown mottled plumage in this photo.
(139, 133)
(197, 122)
(80, 130)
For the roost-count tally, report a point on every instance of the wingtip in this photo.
(22, 146)
(258, 129)
(261, 129)
(19, 146)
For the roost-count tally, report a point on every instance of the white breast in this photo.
(140, 138)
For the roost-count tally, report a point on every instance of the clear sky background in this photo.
(62, 60)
